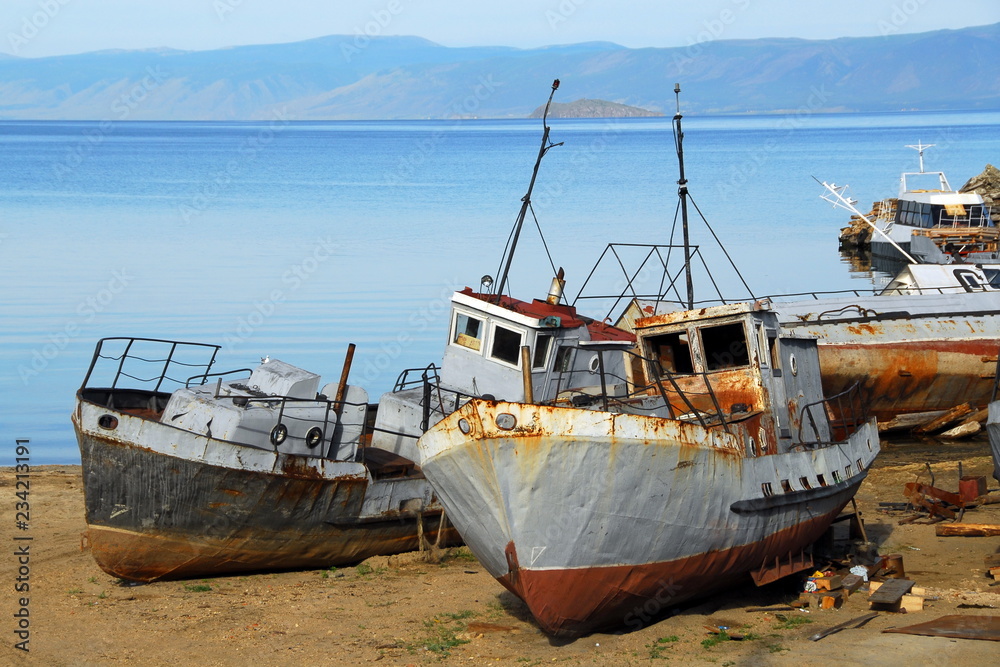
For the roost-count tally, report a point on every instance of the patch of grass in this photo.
(777, 648)
(102, 595)
(92, 580)
(326, 573)
(364, 569)
(657, 648)
(714, 640)
(442, 633)
(74, 591)
(792, 622)
(197, 588)
(461, 554)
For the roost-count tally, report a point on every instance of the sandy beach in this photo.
(408, 609)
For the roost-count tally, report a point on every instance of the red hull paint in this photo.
(573, 602)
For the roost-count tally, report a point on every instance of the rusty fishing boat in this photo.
(613, 474)
(190, 472)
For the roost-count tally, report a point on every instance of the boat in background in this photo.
(930, 222)
(190, 473)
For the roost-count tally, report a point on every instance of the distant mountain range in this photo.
(350, 77)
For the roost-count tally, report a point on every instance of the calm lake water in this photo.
(293, 239)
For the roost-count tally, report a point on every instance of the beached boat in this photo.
(932, 223)
(248, 470)
(710, 460)
(605, 492)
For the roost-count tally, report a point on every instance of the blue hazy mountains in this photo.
(356, 77)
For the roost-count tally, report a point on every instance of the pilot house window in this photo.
(725, 346)
(468, 332)
(506, 345)
(673, 352)
(541, 353)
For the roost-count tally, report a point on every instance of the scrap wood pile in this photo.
(962, 421)
(882, 583)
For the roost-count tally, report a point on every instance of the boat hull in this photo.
(621, 517)
(993, 431)
(181, 506)
(909, 353)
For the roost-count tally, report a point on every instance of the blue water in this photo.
(294, 239)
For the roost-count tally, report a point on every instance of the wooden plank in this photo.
(967, 530)
(828, 583)
(945, 420)
(891, 592)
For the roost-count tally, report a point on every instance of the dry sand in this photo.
(405, 610)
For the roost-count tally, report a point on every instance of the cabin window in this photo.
(968, 280)
(672, 351)
(506, 345)
(766, 489)
(725, 346)
(821, 480)
(993, 277)
(468, 332)
(786, 486)
(848, 472)
(836, 476)
(564, 359)
(860, 466)
(541, 354)
(804, 481)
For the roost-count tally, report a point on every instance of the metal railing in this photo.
(169, 361)
(842, 413)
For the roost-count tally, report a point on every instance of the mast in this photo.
(526, 200)
(682, 192)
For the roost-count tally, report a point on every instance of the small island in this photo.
(585, 108)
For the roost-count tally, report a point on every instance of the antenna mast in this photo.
(682, 192)
(526, 200)
(920, 148)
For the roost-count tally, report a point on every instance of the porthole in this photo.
(793, 365)
(506, 421)
(314, 437)
(595, 364)
(278, 434)
(107, 421)
(463, 426)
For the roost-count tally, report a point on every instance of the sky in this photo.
(37, 28)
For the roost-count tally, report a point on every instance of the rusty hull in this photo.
(913, 376)
(153, 515)
(599, 519)
(911, 353)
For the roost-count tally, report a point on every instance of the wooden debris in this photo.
(947, 419)
(908, 421)
(963, 430)
(889, 595)
(828, 583)
(972, 487)
(852, 582)
(967, 530)
(853, 623)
